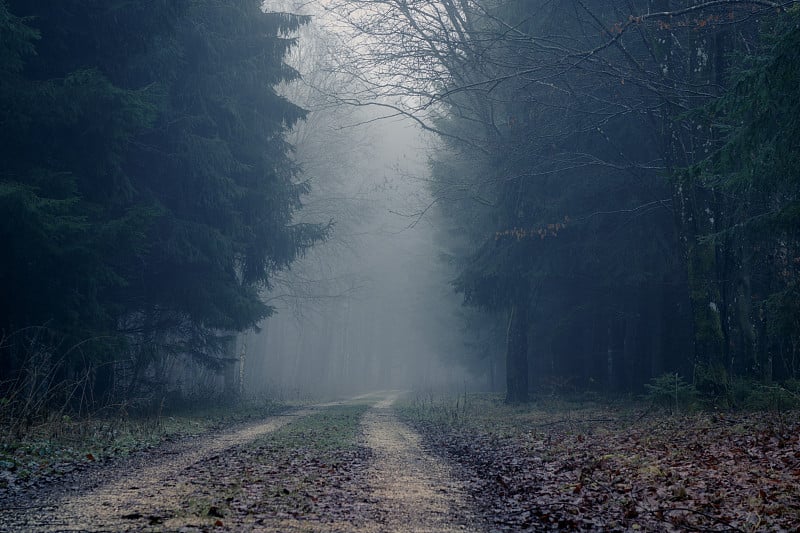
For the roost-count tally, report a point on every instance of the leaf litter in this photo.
(534, 469)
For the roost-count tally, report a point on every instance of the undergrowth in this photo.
(488, 412)
(669, 392)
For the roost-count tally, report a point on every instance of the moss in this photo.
(712, 379)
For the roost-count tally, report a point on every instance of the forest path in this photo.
(245, 480)
(145, 487)
(414, 491)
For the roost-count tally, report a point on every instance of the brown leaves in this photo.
(541, 232)
(738, 472)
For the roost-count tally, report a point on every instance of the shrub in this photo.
(750, 394)
(669, 391)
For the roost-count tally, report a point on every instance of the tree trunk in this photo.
(230, 386)
(517, 355)
(656, 320)
(697, 208)
(611, 363)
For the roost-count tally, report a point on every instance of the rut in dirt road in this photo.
(415, 491)
(136, 494)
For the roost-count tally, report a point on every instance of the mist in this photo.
(371, 309)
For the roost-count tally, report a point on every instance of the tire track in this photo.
(415, 491)
(406, 490)
(139, 493)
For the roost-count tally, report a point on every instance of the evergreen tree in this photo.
(64, 134)
(147, 176)
(758, 211)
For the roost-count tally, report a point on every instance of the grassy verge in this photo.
(64, 444)
(616, 466)
(328, 432)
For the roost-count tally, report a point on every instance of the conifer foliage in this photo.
(146, 186)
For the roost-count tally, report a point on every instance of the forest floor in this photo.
(583, 466)
(439, 464)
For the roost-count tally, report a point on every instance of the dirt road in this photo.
(235, 476)
(416, 491)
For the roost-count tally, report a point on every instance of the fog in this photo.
(372, 307)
